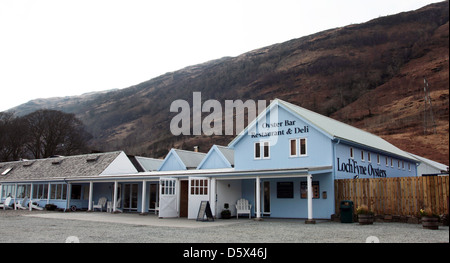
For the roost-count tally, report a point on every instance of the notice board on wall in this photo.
(204, 212)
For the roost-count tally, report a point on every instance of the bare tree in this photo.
(12, 137)
(52, 132)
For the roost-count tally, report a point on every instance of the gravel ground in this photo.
(20, 227)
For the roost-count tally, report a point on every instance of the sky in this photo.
(57, 48)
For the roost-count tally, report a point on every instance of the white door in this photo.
(199, 191)
(168, 197)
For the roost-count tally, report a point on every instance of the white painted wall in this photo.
(121, 165)
(228, 191)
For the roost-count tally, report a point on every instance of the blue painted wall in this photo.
(319, 146)
(295, 207)
(214, 159)
(171, 163)
(348, 167)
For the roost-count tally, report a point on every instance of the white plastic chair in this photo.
(100, 204)
(21, 204)
(243, 207)
(7, 203)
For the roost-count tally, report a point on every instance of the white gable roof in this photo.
(334, 129)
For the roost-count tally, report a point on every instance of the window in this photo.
(23, 190)
(304, 190)
(403, 165)
(257, 150)
(409, 167)
(266, 150)
(199, 187)
(293, 147)
(392, 163)
(5, 172)
(58, 191)
(75, 192)
(362, 155)
(301, 151)
(263, 147)
(168, 187)
(378, 159)
(8, 190)
(40, 191)
(285, 189)
(387, 163)
(351, 152)
(302, 147)
(368, 157)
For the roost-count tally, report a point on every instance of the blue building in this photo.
(284, 163)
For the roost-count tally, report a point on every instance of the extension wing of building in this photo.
(284, 164)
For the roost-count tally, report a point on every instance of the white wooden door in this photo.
(199, 190)
(168, 199)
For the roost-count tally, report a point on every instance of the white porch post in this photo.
(310, 207)
(91, 188)
(212, 196)
(15, 196)
(144, 190)
(115, 196)
(69, 193)
(258, 198)
(48, 193)
(31, 197)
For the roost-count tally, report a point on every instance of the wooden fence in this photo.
(396, 196)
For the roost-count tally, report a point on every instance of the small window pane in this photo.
(293, 145)
(257, 150)
(302, 146)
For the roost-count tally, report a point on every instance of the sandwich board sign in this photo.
(204, 212)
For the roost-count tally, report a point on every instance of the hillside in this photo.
(369, 75)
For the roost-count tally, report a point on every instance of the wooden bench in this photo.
(243, 207)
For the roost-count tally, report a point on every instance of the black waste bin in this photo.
(346, 208)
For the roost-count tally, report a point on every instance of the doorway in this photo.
(266, 198)
(153, 203)
(184, 198)
(130, 197)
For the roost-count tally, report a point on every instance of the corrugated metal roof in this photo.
(340, 130)
(190, 159)
(334, 129)
(227, 153)
(149, 164)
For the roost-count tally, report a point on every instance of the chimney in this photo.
(196, 149)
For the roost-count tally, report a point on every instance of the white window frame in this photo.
(168, 187)
(262, 152)
(54, 194)
(298, 148)
(199, 186)
(257, 145)
(352, 154)
(290, 148)
(40, 192)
